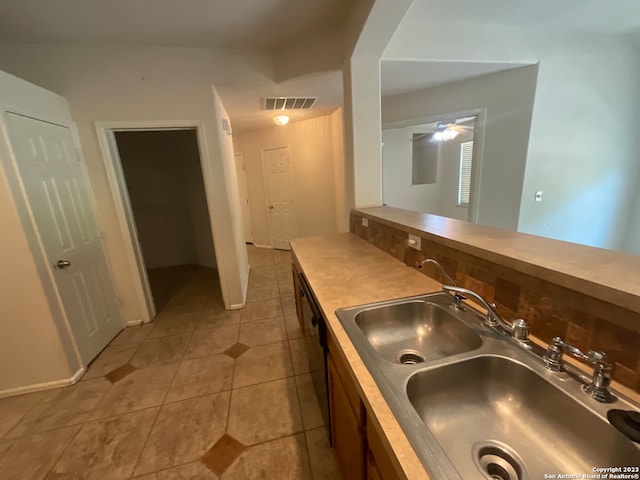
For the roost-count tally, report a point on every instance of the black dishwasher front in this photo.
(315, 334)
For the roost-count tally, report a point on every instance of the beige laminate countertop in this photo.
(343, 271)
(608, 275)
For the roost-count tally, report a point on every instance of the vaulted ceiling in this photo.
(454, 19)
(251, 24)
(282, 29)
(290, 33)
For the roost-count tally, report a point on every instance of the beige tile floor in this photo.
(200, 393)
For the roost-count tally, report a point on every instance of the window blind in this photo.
(464, 185)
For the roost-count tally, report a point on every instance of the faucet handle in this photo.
(594, 357)
(553, 356)
(520, 330)
(599, 386)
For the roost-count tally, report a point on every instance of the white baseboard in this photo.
(134, 323)
(37, 387)
(236, 306)
(269, 247)
(77, 376)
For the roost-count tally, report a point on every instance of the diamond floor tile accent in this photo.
(119, 373)
(222, 455)
(234, 351)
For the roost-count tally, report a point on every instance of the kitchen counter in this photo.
(344, 270)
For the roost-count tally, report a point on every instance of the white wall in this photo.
(35, 343)
(508, 98)
(583, 150)
(228, 234)
(337, 134)
(313, 147)
(632, 236)
(367, 31)
(585, 145)
(364, 138)
(143, 83)
(164, 180)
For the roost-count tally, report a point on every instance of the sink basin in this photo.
(416, 331)
(496, 417)
(477, 405)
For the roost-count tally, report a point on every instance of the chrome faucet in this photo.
(601, 379)
(457, 298)
(444, 273)
(518, 329)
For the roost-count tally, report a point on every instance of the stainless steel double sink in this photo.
(473, 403)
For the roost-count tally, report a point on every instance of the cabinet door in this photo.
(348, 440)
(379, 462)
(373, 473)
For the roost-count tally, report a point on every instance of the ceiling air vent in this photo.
(288, 103)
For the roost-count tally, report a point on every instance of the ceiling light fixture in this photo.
(444, 133)
(281, 119)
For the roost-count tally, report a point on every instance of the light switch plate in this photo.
(365, 222)
(539, 196)
(415, 242)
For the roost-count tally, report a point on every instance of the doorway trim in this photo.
(108, 147)
(478, 147)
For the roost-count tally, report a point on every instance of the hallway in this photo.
(200, 393)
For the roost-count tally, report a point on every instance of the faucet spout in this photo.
(519, 329)
(444, 273)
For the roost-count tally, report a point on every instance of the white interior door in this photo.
(59, 199)
(276, 165)
(244, 197)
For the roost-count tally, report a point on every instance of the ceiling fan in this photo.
(448, 130)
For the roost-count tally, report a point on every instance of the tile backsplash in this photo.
(550, 309)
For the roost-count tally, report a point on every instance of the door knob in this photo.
(63, 264)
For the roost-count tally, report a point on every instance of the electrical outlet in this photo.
(365, 222)
(539, 196)
(415, 242)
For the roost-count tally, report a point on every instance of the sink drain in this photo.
(498, 462)
(410, 357)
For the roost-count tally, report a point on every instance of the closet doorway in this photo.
(159, 176)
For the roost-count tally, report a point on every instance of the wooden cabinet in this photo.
(357, 443)
(346, 427)
(379, 463)
(373, 472)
